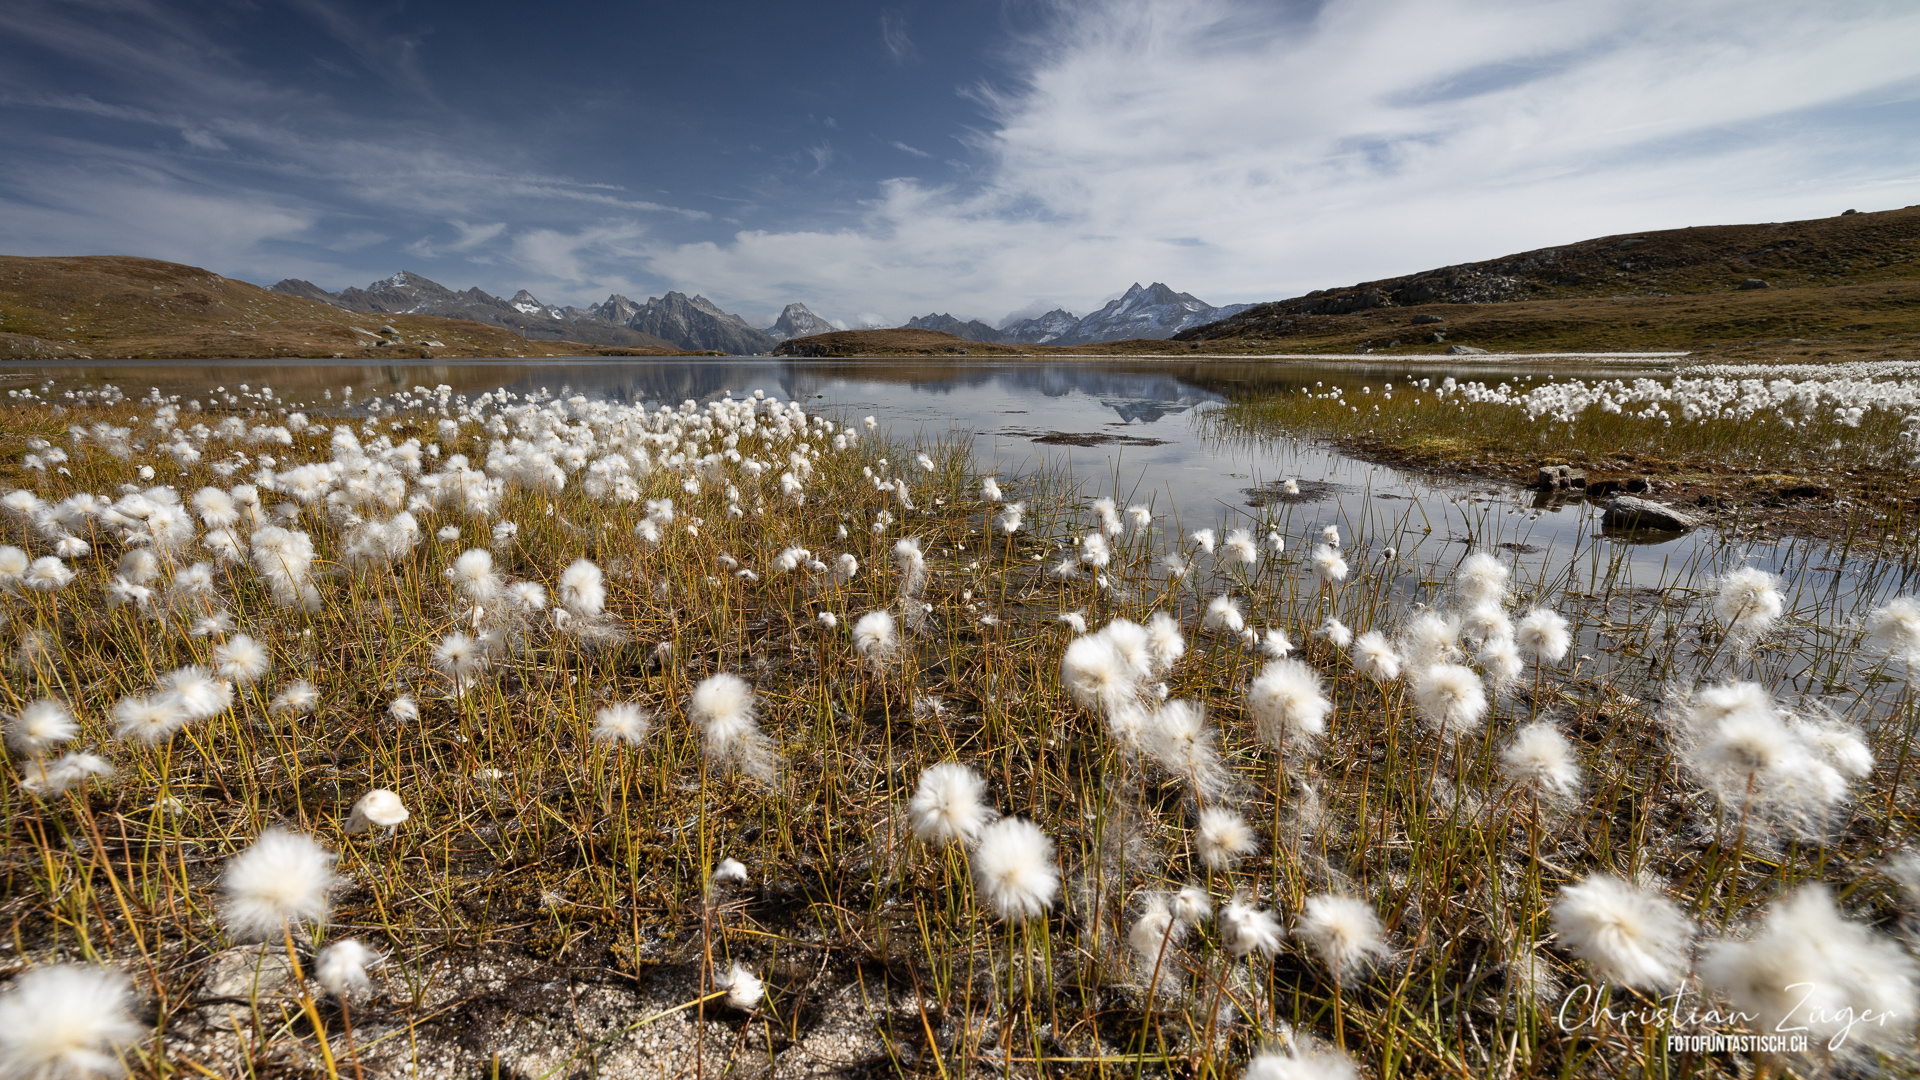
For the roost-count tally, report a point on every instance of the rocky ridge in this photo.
(1143, 312)
(674, 321)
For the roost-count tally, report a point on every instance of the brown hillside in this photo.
(897, 343)
(119, 306)
(1847, 280)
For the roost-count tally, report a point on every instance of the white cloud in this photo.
(914, 150)
(1242, 153)
(894, 36)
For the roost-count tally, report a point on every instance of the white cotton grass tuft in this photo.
(473, 577)
(622, 722)
(1011, 517)
(299, 698)
(67, 1022)
(1013, 869)
(1742, 749)
(1288, 704)
(67, 771)
(1373, 656)
(241, 658)
(1131, 643)
(1629, 936)
(722, 705)
(1238, 549)
(40, 727)
(1328, 565)
(460, 656)
(280, 881)
(728, 871)
(196, 692)
(1108, 512)
(1156, 931)
(1076, 621)
(1221, 837)
(1841, 745)
(1097, 676)
(1500, 658)
(1336, 632)
(1429, 638)
(1748, 602)
(403, 709)
(745, 990)
(1807, 967)
(1485, 622)
(1274, 644)
(1139, 518)
(949, 805)
(1450, 698)
(1191, 905)
(149, 720)
(341, 968)
(990, 489)
(377, 809)
(1342, 931)
(583, 590)
(1894, 628)
(1177, 736)
(1246, 930)
(1541, 760)
(876, 637)
(1297, 1063)
(1223, 616)
(1165, 644)
(47, 574)
(1480, 581)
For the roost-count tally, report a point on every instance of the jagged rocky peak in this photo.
(796, 321)
(971, 329)
(1041, 329)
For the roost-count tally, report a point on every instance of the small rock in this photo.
(1421, 320)
(1754, 283)
(248, 972)
(1629, 513)
(1601, 488)
(1465, 350)
(1436, 337)
(1561, 478)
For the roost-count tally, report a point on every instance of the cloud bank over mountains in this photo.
(1244, 151)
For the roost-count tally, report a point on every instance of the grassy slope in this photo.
(1846, 286)
(114, 306)
(1841, 283)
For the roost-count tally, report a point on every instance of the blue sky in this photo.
(878, 161)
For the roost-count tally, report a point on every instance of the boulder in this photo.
(1465, 350)
(1754, 283)
(1436, 337)
(1422, 320)
(1628, 512)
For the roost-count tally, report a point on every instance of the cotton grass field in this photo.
(313, 712)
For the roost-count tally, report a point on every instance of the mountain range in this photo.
(696, 324)
(1152, 311)
(673, 321)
